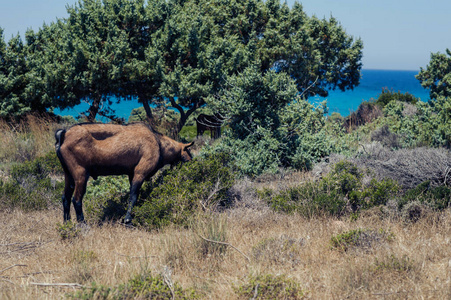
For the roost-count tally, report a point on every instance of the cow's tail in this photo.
(59, 137)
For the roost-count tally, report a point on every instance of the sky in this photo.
(396, 34)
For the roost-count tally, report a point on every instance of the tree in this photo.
(13, 79)
(96, 50)
(182, 52)
(23, 89)
(437, 75)
(205, 42)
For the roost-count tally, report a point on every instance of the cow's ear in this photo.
(189, 145)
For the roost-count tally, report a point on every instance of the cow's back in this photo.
(100, 146)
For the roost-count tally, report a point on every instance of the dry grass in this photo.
(26, 140)
(415, 264)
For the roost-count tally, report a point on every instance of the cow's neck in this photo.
(169, 150)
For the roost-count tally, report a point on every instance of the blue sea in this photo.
(371, 84)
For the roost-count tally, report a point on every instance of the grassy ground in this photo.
(376, 256)
(408, 261)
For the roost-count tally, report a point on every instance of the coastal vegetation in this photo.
(289, 203)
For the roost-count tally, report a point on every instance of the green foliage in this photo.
(394, 263)
(176, 194)
(40, 168)
(437, 75)
(270, 287)
(270, 127)
(178, 52)
(344, 241)
(30, 187)
(338, 193)
(378, 192)
(67, 230)
(106, 198)
(142, 286)
(365, 239)
(429, 126)
(387, 96)
(438, 198)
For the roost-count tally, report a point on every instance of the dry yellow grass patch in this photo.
(414, 264)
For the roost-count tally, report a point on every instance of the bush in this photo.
(409, 167)
(176, 194)
(394, 263)
(270, 287)
(142, 286)
(387, 96)
(106, 198)
(366, 113)
(39, 168)
(338, 193)
(29, 186)
(67, 230)
(438, 198)
(386, 137)
(365, 239)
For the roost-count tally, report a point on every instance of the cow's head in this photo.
(185, 154)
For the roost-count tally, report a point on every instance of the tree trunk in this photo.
(183, 115)
(147, 108)
(94, 109)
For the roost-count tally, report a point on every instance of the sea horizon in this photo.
(372, 82)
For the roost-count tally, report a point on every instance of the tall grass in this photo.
(27, 139)
(284, 249)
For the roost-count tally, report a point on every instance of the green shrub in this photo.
(344, 241)
(438, 198)
(29, 186)
(386, 137)
(307, 199)
(339, 192)
(378, 192)
(67, 230)
(394, 263)
(270, 287)
(106, 198)
(387, 96)
(142, 286)
(327, 196)
(177, 193)
(365, 239)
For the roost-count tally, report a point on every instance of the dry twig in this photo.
(227, 244)
(73, 285)
(15, 265)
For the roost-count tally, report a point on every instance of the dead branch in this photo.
(216, 189)
(10, 267)
(7, 280)
(224, 243)
(130, 256)
(73, 285)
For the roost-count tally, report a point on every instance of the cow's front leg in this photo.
(135, 186)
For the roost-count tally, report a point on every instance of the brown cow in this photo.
(105, 149)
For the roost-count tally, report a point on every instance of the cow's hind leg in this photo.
(68, 192)
(80, 189)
